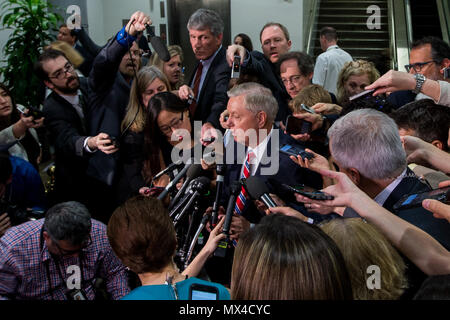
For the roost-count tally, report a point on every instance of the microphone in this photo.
(235, 190)
(199, 187)
(193, 172)
(258, 190)
(157, 44)
(171, 167)
(174, 182)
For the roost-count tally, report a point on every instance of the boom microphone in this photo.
(171, 167)
(157, 44)
(258, 190)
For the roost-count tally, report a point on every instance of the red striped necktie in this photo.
(243, 196)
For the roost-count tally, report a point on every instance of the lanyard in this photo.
(58, 267)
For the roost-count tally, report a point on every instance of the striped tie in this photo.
(243, 196)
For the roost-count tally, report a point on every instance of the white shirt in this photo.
(328, 66)
(445, 94)
(384, 195)
(75, 102)
(206, 66)
(259, 152)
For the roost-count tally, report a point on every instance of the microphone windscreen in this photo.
(160, 48)
(194, 171)
(256, 187)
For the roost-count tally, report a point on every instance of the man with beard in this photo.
(65, 112)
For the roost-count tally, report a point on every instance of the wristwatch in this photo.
(420, 79)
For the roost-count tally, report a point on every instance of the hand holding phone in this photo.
(415, 200)
(309, 192)
(295, 151)
(296, 126)
(236, 68)
(30, 112)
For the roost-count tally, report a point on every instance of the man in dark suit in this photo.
(110, 84)
(252, 110)
(71, 37)
(275, 41)
(65, 111)
(255, 151)
(366, 147)
(210, 80)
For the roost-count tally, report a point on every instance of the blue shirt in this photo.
(165, 292)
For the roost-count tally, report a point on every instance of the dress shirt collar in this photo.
(384, 195)
(259, 152)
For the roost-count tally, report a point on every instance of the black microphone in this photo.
(221, 169)
(258, 190)
(235, 190)
(193, 172)
(157, 44)
(198, 187)
(171, 167)
(174, 182)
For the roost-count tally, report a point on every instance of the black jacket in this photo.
(269, 78)
(67, 134)
(107, 106)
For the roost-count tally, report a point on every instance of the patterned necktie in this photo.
(196, 89)
(243, 196)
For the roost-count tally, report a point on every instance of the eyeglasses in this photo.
(64, 252)
(417, 66)
(175, 124)
(294, 79)
(60, 74)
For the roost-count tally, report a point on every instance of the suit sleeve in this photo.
(91, 47)
(222, 80)
(105, 67)
(65, 136)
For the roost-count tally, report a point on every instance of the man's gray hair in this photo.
(257, 98)
(68, 221)
(369, 141)
(203, 19)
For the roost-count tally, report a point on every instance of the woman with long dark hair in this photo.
(18, 130)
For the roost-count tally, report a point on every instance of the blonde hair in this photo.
(136, 112)
(283, 258)
(362, 245)
(72, 55)
(355, 68)
(309, 96)
(156, 61)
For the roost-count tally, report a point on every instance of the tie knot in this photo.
(251, 157)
